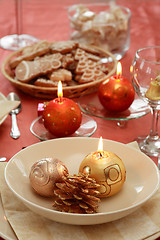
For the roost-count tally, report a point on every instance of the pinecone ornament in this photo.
(77, 194)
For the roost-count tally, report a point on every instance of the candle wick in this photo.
(118, 75)
(100, 154)
(60, 99)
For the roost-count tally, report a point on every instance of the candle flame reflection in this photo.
(131, 69)
(100, 145)
(119, 69)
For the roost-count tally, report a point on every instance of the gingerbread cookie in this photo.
(42, 82)
(61, 74)
(29, 53)
(89, 49)
(63, 46)
(28, 70)
(80, 53)
(87, 69)
(67, 60)
(91, 75)
(37, 47)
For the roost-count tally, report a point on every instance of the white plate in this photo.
(141, 181)
(2, 97)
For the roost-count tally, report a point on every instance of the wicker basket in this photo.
(51, 92)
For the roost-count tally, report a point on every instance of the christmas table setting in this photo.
(72, 96)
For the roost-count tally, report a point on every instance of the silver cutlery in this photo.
(15, 133)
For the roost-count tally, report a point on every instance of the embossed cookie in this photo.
(81, 66)
(36, 47)
(102, 67)
(28, 70)
(67, 60)
(63, 46)
(42, 82)
(29, 53)
(91, 75)
(87, 70)
(61, 74)
(89, 49)
(80, 53)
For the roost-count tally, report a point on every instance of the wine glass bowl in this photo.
(145, 70)
(16, 41)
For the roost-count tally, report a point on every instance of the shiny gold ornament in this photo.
(107, 169)
(44, 173)
(153, 92)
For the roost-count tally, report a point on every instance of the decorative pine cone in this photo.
(77, 194)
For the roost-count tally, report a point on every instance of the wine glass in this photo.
(17, 41)
(145, 70)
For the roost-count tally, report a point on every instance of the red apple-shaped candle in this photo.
(116, 93)
(62, 116)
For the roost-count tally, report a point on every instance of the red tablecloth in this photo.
(47, 19)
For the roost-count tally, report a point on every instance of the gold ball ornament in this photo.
(107, 169)
(45, 173)
(153, 92)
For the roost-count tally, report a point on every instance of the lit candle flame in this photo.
(100, 145)
(119, 69)
(60, 92)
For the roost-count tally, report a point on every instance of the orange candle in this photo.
(62, 116)
(116, 93)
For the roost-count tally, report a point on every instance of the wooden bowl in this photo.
(51, 92)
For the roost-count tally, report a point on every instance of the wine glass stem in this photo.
(154, 125)
(19, 17)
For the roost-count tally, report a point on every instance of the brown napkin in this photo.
(6, 106)
(142, 224)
